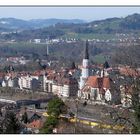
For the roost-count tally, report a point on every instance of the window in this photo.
(47, 87)
(94, 93)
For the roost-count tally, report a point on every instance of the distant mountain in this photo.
(38, 23)
(74, 28)
(131, 22)
(13, 23)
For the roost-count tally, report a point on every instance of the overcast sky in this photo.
(86, 13)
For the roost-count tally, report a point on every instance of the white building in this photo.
(126, 95)
(25, 81)
(37, 40)
(65, 90)
(9, 80)
(61, 85)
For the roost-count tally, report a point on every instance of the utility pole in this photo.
(47, 49)
(47, 43)
(76, 115)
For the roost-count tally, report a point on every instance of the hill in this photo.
(111, 28)
(18, 24)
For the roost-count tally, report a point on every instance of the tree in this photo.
(25, 118)
(50, 123)
(11, 124)
(129, 56)
(56, 106)
(73, 66)
(136, 106)
(136, 128)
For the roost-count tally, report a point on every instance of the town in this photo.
(100, 86)
(70, 77)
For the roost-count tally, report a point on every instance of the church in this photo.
(94, 87)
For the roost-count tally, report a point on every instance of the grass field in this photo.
(88, 36)
(100, 59)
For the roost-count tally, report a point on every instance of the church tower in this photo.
(85, 67)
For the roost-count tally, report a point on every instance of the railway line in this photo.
(90, 122)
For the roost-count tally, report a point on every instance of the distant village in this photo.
(117, 38)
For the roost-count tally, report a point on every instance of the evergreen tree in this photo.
(50, 123)
(25, 118)
(73, 65)
(11, 124)
(55, 107)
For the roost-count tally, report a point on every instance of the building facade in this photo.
(97, 88)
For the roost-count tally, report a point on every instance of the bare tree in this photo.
(128, 57)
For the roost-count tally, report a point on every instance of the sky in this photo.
(85, 13)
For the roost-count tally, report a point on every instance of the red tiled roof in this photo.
(2, 74)
(92, 81)
(106, 82)
(35, 124)
(129, 71)
(98, 82)
(128, 89)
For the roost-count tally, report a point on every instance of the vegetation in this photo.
(50, 123)
(10, 125)
(55, 107)
(102, 29)
(25, 118)
(129, 56)
(136, 106)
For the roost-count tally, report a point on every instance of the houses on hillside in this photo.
(101, 83)
(60, 83)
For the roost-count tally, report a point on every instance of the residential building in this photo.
(65, 86)
(25, 81)
(10, 80)
(60, 83)
(126, 95)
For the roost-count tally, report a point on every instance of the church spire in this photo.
(86, 50)
(85, 68)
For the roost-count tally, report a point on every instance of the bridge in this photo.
(7, 101)
(36, 102)
(27, 102)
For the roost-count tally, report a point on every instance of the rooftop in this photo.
(98, 82)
